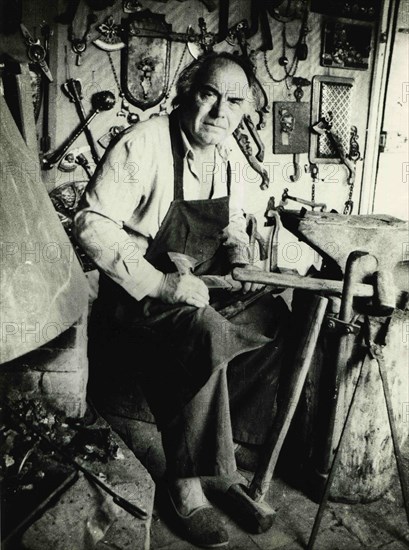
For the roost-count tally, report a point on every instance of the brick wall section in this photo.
(56, 372)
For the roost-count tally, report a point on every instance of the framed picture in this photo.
(363, 10)
(346, 45)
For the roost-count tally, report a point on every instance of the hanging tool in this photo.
(273, 220)
(79, 45)
(298, 94)
(36, 52)
(101, 101)
(286, 197)
(72, 88)
(312, 169)
(237, 34)
(244, 143)
(45, 140)
(259, 16)
(323, 126)
(255, 135)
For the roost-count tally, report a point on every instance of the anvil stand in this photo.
(359, 264)
(375, 351)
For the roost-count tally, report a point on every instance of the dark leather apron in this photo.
(179, 346)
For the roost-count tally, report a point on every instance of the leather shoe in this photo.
(202, 527)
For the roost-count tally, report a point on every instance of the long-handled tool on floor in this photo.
(301, 364)
(248, 502)
(124, 503)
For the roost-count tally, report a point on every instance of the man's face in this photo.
(218, 105)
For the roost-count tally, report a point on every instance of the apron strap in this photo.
(177, 153)
(228, 172)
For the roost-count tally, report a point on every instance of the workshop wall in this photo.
(96, 74)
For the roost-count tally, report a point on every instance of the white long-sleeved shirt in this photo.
(130, 193)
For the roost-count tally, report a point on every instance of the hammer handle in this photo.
(301, 364)
(283, 280)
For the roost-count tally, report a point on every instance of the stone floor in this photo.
(378, 525)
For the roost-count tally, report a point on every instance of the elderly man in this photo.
(167, 185)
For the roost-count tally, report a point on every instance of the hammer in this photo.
(185, 265)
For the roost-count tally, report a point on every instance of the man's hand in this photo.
(251, 286)
(186, 289)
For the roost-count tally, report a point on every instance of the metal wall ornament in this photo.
(65, 199)
(110, 36)
(131, 6)
(146, 58)
(331, 106)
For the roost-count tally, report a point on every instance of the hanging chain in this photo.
(162, 106)
(131, 117)
(176, 73)
(349, 204)
(115, 74)
(354, 155)
(292, 70)
(290, 73)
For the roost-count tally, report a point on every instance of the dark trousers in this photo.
(237, 403)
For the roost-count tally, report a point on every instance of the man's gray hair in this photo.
(191, 78)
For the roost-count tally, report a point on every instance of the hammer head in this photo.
(184, 263)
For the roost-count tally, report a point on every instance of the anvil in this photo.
(335, 236)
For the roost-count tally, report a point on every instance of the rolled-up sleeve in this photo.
(111, 199)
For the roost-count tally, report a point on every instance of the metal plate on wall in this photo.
(330, 94)
(297, 115)
(145, 60)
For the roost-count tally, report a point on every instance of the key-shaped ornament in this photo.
(101, 101)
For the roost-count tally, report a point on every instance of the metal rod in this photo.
(335, 462)
(398, 455)
(358, 265)
(118, 499)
